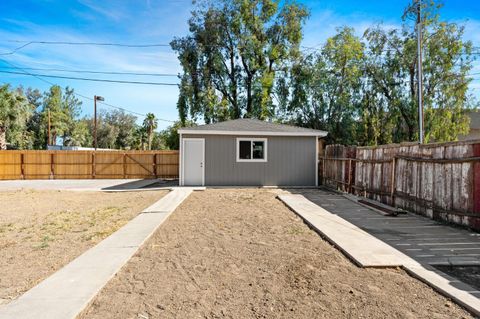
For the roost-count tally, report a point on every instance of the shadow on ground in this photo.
(144, 184)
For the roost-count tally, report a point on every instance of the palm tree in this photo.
(150, 124)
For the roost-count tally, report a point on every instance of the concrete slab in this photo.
(368, 251)
(447, 286)
(169, 203)
(77, 184)
(362, 248)
(68, 291)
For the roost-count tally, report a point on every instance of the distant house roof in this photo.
(251, 127)
(474, 119)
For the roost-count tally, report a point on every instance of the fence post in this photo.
(93, 165)
(476, 180)
(22, 165)
(52, 166)
(155, 165)
(349, 187)
(324, 172)
(392, 190)
(124, 165)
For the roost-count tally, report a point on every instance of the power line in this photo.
(84, 96)
(306, 49)
(27, 43)
(149, 45)
(90, 79)
(97, 72)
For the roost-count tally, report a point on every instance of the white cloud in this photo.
(323, 24)
(110, 11)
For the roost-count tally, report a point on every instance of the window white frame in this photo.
(251, 139)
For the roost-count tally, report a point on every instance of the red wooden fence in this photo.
(441, 181)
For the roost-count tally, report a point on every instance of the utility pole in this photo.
(95, 99)
(48, 133)
(95, 122)
(420, 73)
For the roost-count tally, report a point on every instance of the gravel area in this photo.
(41, 231)
(242, 254)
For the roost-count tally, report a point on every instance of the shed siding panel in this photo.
(290, 162)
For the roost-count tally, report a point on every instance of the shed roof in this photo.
(251, 127)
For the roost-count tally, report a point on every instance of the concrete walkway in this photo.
(68, 291)
(86, 184)
(338, 218)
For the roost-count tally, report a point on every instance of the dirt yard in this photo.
(243, 254)
(40, 231)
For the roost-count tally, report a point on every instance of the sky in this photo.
(157, 22)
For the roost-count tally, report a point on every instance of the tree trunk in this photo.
(149, 140)
(236, 109)
(3, 138)
(249, 97)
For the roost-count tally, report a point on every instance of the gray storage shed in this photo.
(248, 152)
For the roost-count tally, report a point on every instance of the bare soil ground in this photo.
(40, 231)
(243, 254)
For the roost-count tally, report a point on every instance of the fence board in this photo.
(88, 164)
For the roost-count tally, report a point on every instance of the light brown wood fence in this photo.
(88, 164)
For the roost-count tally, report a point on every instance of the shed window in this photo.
(251, 150)
(245, 149)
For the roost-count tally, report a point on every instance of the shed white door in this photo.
(193, 161)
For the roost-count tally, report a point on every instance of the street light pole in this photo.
(420, 72)
(95, 99)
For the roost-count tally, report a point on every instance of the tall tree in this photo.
(324, 88)
(364, 90)
(34, 125)
(53, 108)
(115, 129)
(13, 115)
(392, 77)
(150, 123)
(231, 58)
(76, 131)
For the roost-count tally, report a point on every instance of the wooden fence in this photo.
(441, 181)
(88, 164)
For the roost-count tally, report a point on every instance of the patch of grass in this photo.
(295, 230)
(44, 242)
(6, 227)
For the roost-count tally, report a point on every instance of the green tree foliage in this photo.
(242, 59)
(170, 135)
(390, 111)
(231, 58)
(364, 90)
(323, 91)
(14, 112)
(63, 109)
(24, 122)
(116, 130)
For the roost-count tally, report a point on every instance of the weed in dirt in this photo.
(44, 243)
(294, 230)
(6, 227)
